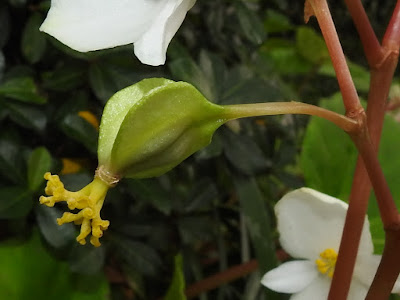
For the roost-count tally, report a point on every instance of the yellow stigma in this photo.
(327, 261)
(88, 200)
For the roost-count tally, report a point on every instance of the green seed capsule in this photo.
(152, 126)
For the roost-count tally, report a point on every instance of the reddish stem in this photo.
(346, 85)
(391, 39)
(372, 49)
(386, 204)
(221, 278)
(389, 267)
(358, 202)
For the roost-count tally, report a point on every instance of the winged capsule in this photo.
(146, 130)
(152, 126)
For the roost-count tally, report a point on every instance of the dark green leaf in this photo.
(2, 64)
(360, 74)
(139, 256)
(187, 70)
(176, 290)
(257, 220)
(212, 150)
(150, 190)
(244, 153)
(284, 57)
(311, 45)
(325, 148)
(114, 73)
(77, 181)
(276, 22)
(4, 26)
(23, 89)
(194, 229)
(81, 131)
(10, 160)
(33, 42)
(27, 116)
(15, 202)
(38, 164)
(65, 78)
(87, 259)
(56, 235)
(201, 196)
(250, 23)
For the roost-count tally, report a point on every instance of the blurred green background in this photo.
(214, 211)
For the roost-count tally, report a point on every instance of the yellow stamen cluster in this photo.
(88, 200)
(327, 262)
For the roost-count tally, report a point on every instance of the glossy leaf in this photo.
(10, 162)
(139, 256)
(27, 116)
(22, 89)
(81, 131)
(87, 259)
(311, 45)
(257, 220)
(33, 42)
(150, 190)
(244, 154)
(15, 202)
(56, 235)
(39, 163)
(4, 27)
(176, 290)
(276, 22)
(250, 23)
(328, 155)
(65, 78)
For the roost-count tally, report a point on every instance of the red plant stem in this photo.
(381, 77)
(386, 204)
(227, 276)
(221, 278)
(388, 269)
(346, 85)
(361, 188)
(391, 39)
(372, 49)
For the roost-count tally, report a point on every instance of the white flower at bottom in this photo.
(87, 25)
(310, 225)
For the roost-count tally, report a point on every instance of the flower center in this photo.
(327, 261)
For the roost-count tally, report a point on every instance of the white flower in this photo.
(310, 225)
(87, 25)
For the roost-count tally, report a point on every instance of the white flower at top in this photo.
(87, 25)
(310, 225)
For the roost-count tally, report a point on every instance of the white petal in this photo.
(317, 290)
(290, 277)
(357, 291)
(310, 222)
(151, 48)
(365, 269)
(87, 25)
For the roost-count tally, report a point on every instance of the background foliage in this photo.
(212, 212)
